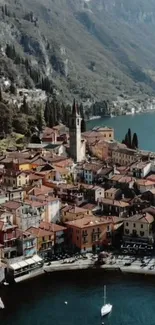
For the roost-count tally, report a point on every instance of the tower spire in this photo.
(75, 108)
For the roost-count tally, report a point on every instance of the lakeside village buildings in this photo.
(74, 192)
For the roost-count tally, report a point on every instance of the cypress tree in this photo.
(129, 139)
(1, 96)
(83, 126)
(135, 141)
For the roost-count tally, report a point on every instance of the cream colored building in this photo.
(123, 156)
(139, 225)
(107, 132)
(15, 178)
(112, 193)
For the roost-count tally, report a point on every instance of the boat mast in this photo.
(104, 294)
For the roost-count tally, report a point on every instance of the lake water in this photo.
(142, 124)
(41, 301)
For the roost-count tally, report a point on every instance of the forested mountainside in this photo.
(88, 49)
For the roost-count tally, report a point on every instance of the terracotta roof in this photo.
(89, 221)
(89, 206)
(144, 182)
(38, 232)
(76, 209)
(51, 227)
(114, 202)
(140, 164)
(92, 167)
(20, 233)
(12, 205)
(40, 190)
(38, 161)
(116, 178)
(35, 204)
(151, 177)
(112, 190)
(61, 170)
(126, 179)
(45, 198)
(150, 210)
(142, 218)
(65, 163)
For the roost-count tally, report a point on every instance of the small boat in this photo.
(106, 308)
(1, 304)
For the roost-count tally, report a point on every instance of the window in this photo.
(142, 233)
(127, 231)
(77, 121)
(134, 225)
(77, 238)
(141, 226)
(43, 238)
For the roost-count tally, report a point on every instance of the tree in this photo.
(129, 145)
(40, 118)
(13, 89)
(1, 95)
(25, 106)
(5, 119)
(83, 126)
(20, 124)
(81, 110)
(135, 141)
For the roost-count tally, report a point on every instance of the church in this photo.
(77, 144)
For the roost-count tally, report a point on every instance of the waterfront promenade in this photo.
(123, 264)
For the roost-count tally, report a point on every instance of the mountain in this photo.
(89, 49)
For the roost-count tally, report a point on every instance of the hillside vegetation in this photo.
(89, 49)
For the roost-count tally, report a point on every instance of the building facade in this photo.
(89, 233)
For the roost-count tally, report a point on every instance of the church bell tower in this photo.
(75, 133)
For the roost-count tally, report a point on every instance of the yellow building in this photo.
(45, 239)
(107, 132)
(15, 178)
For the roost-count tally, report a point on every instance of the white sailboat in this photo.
(106, 308)
(1, 304)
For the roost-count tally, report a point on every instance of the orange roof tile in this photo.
(89, 221)
(38, 232)
(51, 226)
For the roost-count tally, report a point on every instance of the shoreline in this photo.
(134, 268)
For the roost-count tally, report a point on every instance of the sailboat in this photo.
(1, 304)
(106, 308)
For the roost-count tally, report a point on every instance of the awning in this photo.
(30, 261)
(22, 264)
(15, 266)
(36, 258)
